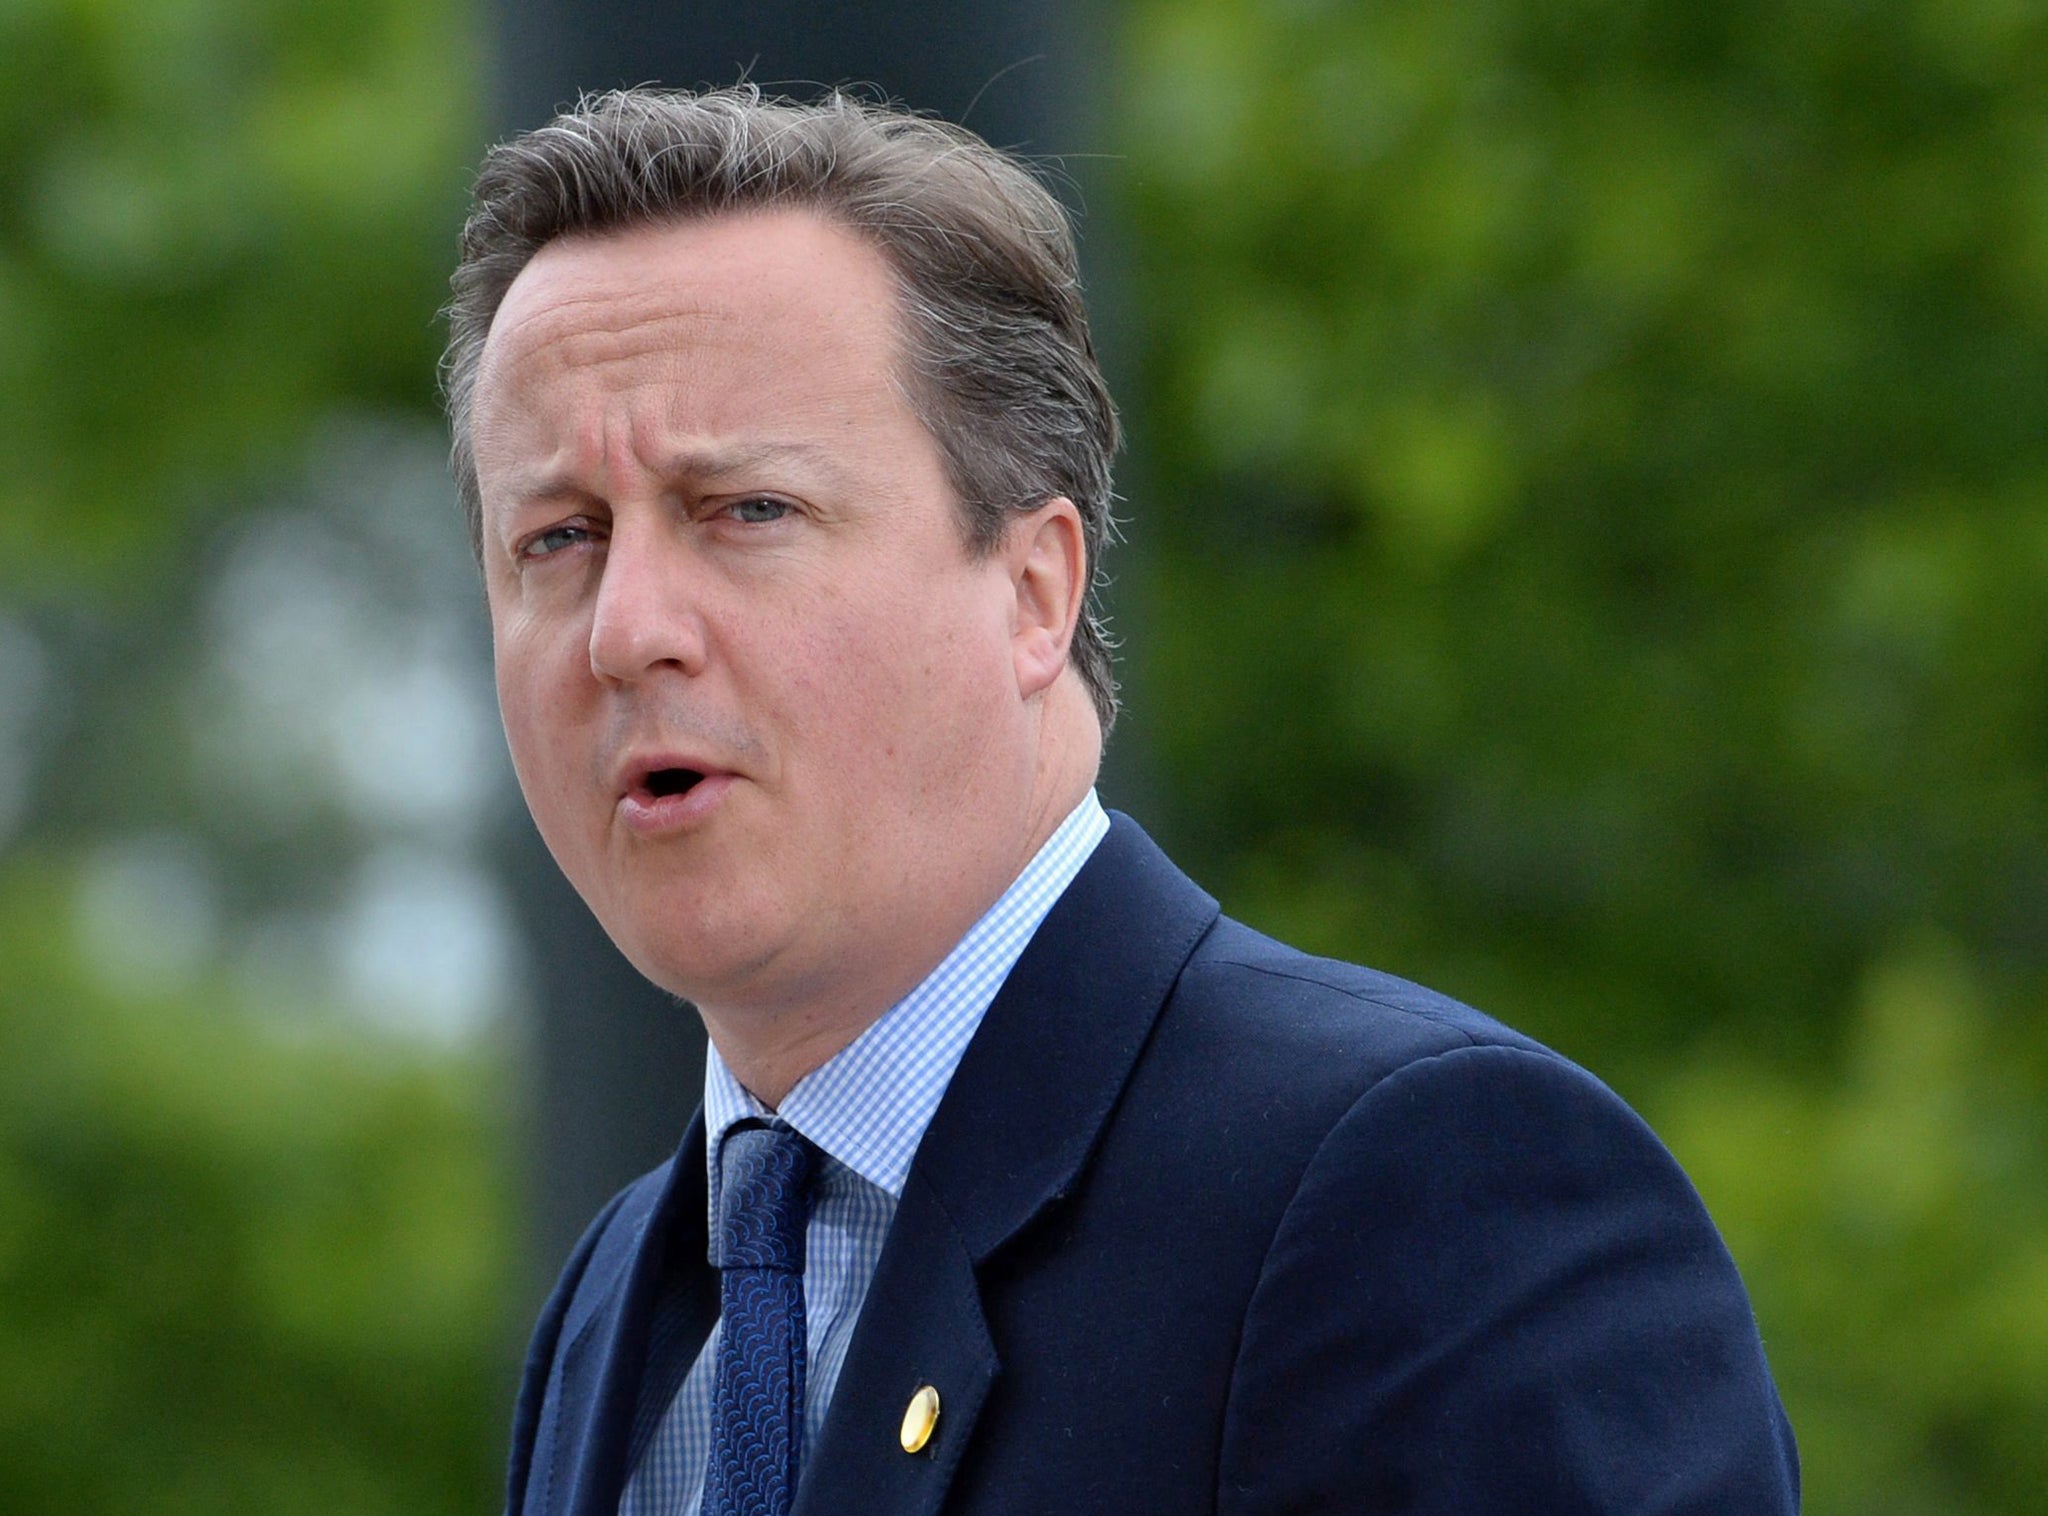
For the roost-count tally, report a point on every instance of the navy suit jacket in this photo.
(1204, 1224)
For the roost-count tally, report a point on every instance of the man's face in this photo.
(761, 700)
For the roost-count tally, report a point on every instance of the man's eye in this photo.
(553, 540)
(758, 509)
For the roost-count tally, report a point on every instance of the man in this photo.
(1024, 1182)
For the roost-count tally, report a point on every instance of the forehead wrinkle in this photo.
(595, 330)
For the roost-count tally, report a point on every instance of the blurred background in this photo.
(1588, 551)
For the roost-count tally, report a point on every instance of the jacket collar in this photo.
(1023, 1113)
(1014, 1133)
(1040, 1079)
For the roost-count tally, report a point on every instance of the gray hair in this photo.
(1002, 371)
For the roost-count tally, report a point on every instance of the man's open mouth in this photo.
(662, 783)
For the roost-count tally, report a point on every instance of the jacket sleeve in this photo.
(1494, 1290)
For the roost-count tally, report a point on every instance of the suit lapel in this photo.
(921, 1324)
(1014, 1132)
(603, 1366)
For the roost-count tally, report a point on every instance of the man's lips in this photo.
(664, 771)
(669, 792)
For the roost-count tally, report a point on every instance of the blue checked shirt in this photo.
(866, 1110)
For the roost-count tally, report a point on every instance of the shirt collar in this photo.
(868, 1105)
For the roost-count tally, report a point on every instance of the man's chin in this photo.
(721, 973)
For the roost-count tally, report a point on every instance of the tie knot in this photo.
(764, 1198)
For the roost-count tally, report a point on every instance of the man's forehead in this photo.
(715, 343)
(700, 269)
(573, 323)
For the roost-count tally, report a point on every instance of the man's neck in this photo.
(770, 1055)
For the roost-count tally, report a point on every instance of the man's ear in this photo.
(1047, 554)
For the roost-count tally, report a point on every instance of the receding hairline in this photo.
(645, 286)
(819, 215)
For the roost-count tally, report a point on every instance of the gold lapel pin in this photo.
(919, 1419)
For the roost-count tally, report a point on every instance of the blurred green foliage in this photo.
(247, 1263)
(1595, 559)
(219, 219)
(240, 1271)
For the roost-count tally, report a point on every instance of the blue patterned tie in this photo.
(757, 1399)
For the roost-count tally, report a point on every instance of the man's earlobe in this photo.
(1048, 556)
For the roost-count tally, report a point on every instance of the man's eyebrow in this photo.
(713, 464)
(699, 465)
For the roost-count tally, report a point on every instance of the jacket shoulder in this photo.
(1327, 1022)
(1480, 1247)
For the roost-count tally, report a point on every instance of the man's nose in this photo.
(647, 614)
